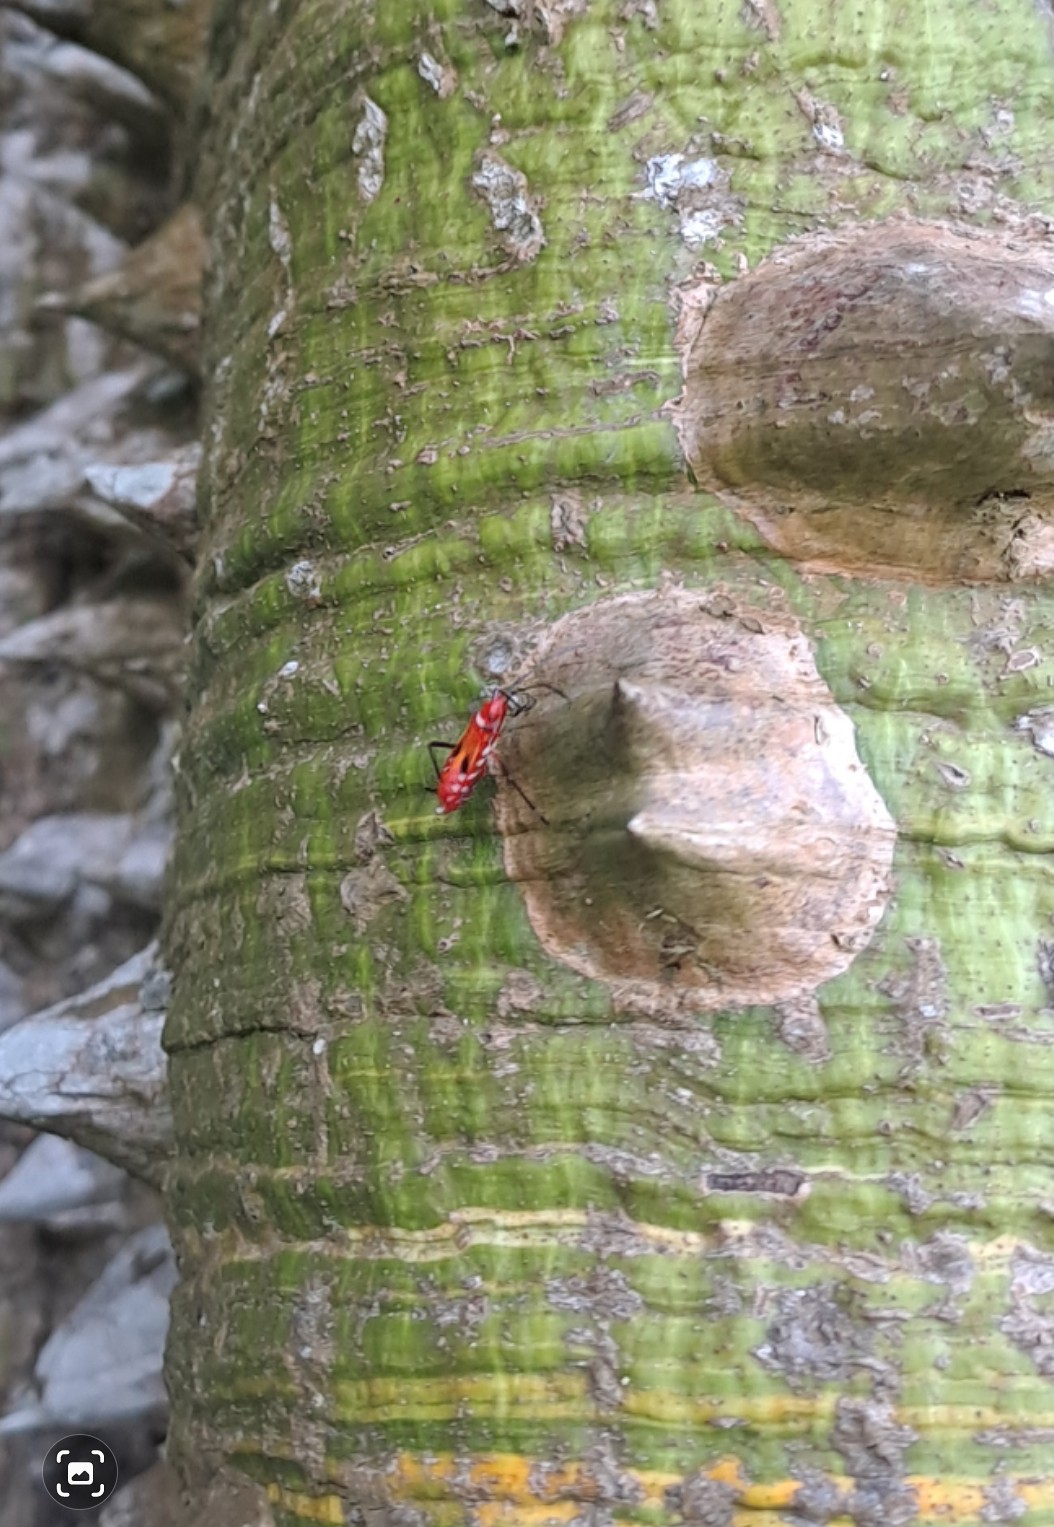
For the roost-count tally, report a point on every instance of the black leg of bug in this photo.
(521, 700)
(450, 746)
(507, 777)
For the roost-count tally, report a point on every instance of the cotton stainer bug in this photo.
(468, 758)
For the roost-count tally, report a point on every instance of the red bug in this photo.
(468, 758)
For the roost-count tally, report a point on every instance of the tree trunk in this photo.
(665, 1135)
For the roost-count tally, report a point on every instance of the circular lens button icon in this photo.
(79, 1471)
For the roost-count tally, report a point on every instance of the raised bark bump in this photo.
(878, 398)
(714, 838)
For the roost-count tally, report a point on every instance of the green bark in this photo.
(462, 1236)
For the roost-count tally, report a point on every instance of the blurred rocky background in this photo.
(100, 261)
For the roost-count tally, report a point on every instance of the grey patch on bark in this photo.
(232, 1501)
(915, 1197)
(800, 1026)
(308, 1360)
(599, 1297)
(463, 1314)
(945, 1259)
(814, 1337)
(1002, 1503)
(283, 902)
(371, 834)
(567, 520)
(818, 1500)
(368, 144)
(875, 1506)
(780, 1182)
(725, 1298)
(521, 992)
(279, 237)
(824, 120)
(608, 1482)
(304, 582)
(699, 1501)
(1032, 1271)
(969, 1106)
(919, 996)
(873, 1444)
(605, 1293)
(765, 15)
(602, 1373)
(698, 191)
(1030, 1329)
(635, 106)
(441, 77)
(1045, 965)
(1038, 724)
(365, 891)
(551, 15)
(504, 190)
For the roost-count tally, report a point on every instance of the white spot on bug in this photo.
(287, 670)
(368, 143)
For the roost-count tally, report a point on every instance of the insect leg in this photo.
(518, 705)
(507, 777)
(450, 746)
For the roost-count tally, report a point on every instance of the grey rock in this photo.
(42, 460)
(103, 1364)
(57, 856)
(12, 997)
(92, 1069)
(158, 497)
(138, 645)
(151, 1499)
(54, 1177)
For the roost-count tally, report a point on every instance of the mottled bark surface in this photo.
(465, 1235)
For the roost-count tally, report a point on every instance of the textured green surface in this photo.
(436, 1194)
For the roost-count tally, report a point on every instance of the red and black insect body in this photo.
(468, 759)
